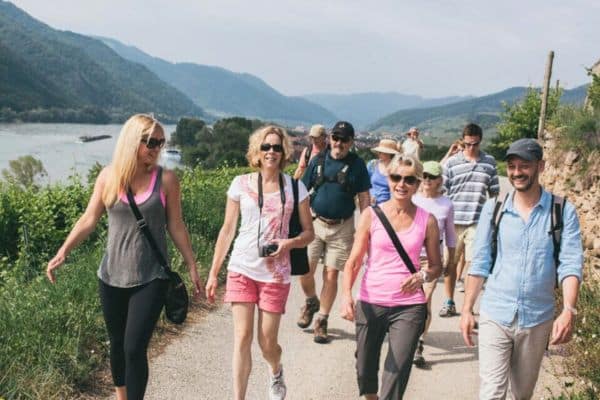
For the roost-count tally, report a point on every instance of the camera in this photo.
(267, 250)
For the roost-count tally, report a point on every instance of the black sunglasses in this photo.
(409, 180)
(277, 148)
(152, 143)
(429, 176)
(471, 144)
(343, 139)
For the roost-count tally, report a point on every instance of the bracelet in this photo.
(573, 310)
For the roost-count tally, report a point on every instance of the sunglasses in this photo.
(409, 180)
(152, 143)
(277, 148)
(471, 144)
(429, 176)
(343, 139)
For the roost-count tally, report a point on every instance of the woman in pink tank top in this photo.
(391, 299)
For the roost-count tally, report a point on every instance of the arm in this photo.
(467, 320)
(450, 235)
(451, 151)
(432, 248)
(354, 262)
(364, 200)
(177, 229)
(301, 165)
(304, 238)
(83, 227)
(226, 235)
(562, 329)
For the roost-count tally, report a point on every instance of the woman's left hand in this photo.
(199, 292)
(283, 245)
(412, 284)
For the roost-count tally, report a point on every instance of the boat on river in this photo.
(85, 139)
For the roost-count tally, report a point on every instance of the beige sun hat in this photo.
(317, 131)
(388, 146)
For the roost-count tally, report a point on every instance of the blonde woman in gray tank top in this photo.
(132, 283)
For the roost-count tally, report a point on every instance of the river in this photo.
(57, 146)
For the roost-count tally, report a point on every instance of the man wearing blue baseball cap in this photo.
(526, 242)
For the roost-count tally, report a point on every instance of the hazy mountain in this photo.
(48, 68)
(483, 110)
(223, 92)
(364, 108)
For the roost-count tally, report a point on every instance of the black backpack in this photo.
(556, 225)
(341, 177)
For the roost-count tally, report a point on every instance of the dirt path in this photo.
(198, 364)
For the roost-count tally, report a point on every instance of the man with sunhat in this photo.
(317, 137)
(517, 308)
(333, 177)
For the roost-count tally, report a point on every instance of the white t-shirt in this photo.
(244, 257)
(411, 147)
(443, 210)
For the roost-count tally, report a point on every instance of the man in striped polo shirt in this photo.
(469, 176)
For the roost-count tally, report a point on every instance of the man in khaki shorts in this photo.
(333, 178)
(469, 176)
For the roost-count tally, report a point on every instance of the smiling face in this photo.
(403, 182)
(340, 146)
(271, 152)
(523, 174)
(150, 146)
(431, 184)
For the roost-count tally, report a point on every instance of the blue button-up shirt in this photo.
(524, 275)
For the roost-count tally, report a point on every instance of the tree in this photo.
(24, 171)
(186, 131)
(520, 120)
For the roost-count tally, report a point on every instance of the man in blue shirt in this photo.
(333, 177)
(517, 307)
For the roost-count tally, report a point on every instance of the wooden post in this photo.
(546, 89)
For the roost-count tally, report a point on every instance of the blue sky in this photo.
(430, 47)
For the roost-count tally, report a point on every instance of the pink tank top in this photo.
(385, 271)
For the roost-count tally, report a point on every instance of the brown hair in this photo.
(472, 130)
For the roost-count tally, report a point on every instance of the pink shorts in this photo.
(269, 296)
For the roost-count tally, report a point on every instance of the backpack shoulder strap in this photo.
(556, 217)
(496, 218)
(307, 153)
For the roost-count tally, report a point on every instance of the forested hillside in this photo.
(43, 68)
(227, 93)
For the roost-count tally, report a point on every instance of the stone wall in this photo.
(564, 176)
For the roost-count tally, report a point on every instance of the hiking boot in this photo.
(321, 331)
(448, 309)
(277, 389)
(307, 312)
(419, 360)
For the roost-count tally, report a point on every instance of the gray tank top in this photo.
(129, 260)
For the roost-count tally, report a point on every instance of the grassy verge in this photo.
(52, 337)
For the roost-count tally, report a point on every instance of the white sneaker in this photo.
(277, 389)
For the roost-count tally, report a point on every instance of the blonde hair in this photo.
(124, 161)
(406, 160)
(259, 136)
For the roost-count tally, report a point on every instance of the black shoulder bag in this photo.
(298, 257)
(388, 227)
(176, 300)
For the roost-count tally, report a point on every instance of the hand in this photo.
(211, 288)
(197, 282)
(562, 329)
(53, 264)
(348, 308)
(467, 325)
(283, 245)
(454, 148)
(412, 284)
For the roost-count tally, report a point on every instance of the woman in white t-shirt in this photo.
(259, 266)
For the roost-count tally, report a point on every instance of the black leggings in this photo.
(130, 315)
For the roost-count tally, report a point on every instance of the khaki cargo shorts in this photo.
(465, 235)
(332, 242)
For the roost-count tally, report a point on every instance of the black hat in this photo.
(527, 149)
(343, 128)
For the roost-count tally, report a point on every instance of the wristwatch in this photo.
(424, 275)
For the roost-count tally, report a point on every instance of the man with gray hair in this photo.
(526, 243)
